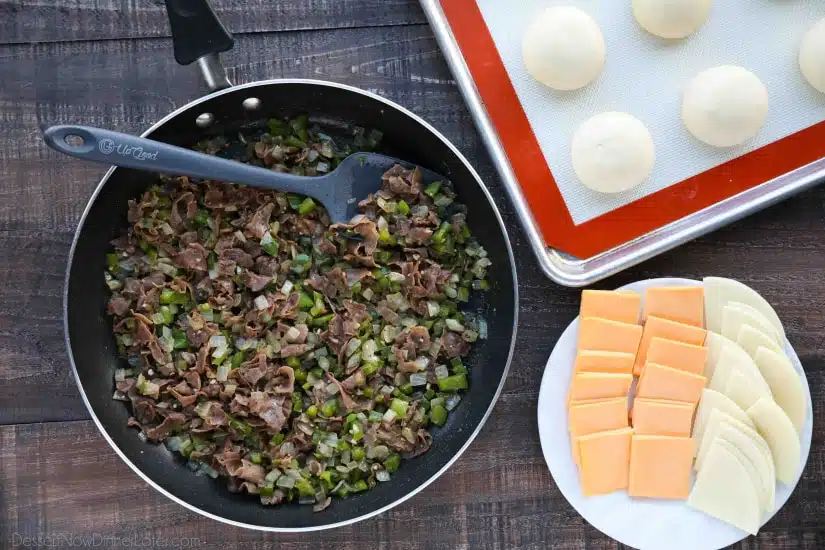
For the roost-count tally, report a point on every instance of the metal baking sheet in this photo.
(571, 271)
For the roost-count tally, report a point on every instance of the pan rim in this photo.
(426, 482)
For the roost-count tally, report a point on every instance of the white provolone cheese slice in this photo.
(730, 360)
(759, 456)
(710, 401)
(778, 430)
(743, 390)
(720, 291)
(724, 490)
(712, 430)
(786, 384)
(736, 314)
(751, 338)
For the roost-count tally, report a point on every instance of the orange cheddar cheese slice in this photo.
(656, 327)
(621, 306)
(597, 334)
(659, 417)
(683, 304)
(599, 416)
(677, 355)
(605, 461)
(599, 385)
(660, 466)
(604, 361)
(660, 382)
(591, 401)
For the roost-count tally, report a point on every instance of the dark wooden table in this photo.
(109, 63)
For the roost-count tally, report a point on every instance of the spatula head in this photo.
(357, 176)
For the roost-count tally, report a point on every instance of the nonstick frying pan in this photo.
(199, 37)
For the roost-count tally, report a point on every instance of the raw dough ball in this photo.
(812, 56)
(563, 48)
(725, 106)
(612, 152)
(671, 18)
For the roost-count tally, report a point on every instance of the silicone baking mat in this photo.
(643, 76)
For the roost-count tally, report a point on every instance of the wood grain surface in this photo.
(109, 63)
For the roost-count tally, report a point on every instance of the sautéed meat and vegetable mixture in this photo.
(301, 360)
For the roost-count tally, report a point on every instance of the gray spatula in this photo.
(354, 179)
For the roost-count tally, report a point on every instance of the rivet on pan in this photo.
(252, 104)
(205, 120)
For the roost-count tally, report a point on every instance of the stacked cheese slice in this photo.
(651, 458)
(748, 423)
(720, 346)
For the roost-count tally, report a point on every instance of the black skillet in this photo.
(198, 37)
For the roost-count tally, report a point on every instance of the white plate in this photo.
(645, 524)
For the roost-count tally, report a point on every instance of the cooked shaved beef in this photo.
(266, 345)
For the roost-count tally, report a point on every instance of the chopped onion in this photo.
(389, 416)
(142, 437)
(382, 475)
(367, 293)
(287, 482)
(218, 341)
(325, 449)
(396, 277)
(454, 325)
(422, 363)
(352, 346)
(389, 334)
(452, 402)
(223, 373)
(229, 389)
(379, 451)
(441, 371)
(287, 288)
(408, 322)
(323, 362)
(397, 302)
(244, 344)
(272, 476)
(433, 309)
(332, 388)
(354, 361)
(482, 329)
(120, 375)
(368, 350)
(420, 210)
(382, 224)
(287, 448)
(261, 302)
(292, 335)
(408, 434)
(418, 379)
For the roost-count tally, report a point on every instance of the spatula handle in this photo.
(124, 150)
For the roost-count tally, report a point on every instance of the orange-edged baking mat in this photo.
(632, 220)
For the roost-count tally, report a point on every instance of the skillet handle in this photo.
(196, 30)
